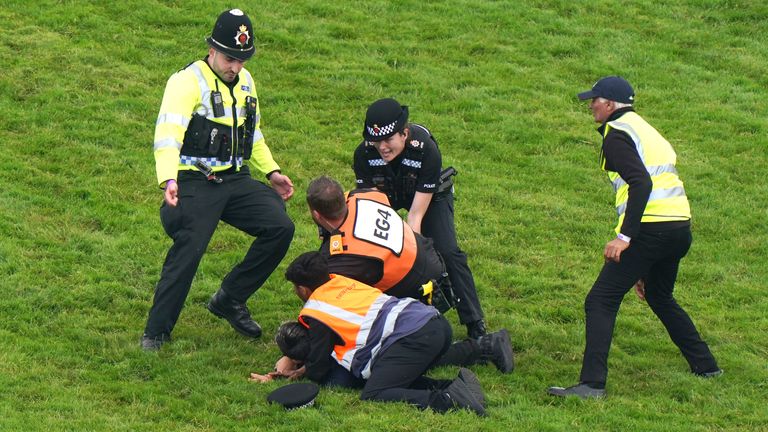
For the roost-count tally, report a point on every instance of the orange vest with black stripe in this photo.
(374, 229)
(350, 309)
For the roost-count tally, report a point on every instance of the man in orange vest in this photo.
(387, 342)
(365, 239)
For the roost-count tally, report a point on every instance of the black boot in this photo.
(476, 329)
(473, 384)
(235, 312)
(497, 348)
(153, 343)
(460, 396)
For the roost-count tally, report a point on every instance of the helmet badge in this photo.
(242, 37)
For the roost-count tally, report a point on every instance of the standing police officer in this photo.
(206, 131)
(652, 235)
(403, 161)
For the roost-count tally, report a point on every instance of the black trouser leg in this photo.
(259, 211)
(601, 306)
(439, 226)
(659, 286)
(190, 224)
(462, 353)
(654, 257)
(399, 368)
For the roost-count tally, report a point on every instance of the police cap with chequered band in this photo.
(233, 35)
(294, 396)
(383, 119)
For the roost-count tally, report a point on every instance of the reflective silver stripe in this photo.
(167, 142)
(626, 127)
(257, 135)
(389, 328)
(203, 84)
(173, 118)
(618, 183)
(211, 161)
(249, 78)
(376, 162)
(656, 194)
(335, 311)
(363, 322)
(365, 331)
(662, 169)
(653, 171)
(411, 163)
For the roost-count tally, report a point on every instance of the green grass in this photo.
(81, 245)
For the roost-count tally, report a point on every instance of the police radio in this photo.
(218, 104)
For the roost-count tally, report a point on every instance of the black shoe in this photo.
(497, 348)
(461, 397)
(473, 384)
(476, 329)
(153, 343)
(582, 391)
(235, 313)
(710, 374)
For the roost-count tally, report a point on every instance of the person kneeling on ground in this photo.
(388, 342)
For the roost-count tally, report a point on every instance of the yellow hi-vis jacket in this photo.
(361, 315)
(667, 201)
(188, 91)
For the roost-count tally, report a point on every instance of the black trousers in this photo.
(462, 353)
(397, 373)
(653, 256)
(439, 226)
(240, 201)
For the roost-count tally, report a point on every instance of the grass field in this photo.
(81, 245)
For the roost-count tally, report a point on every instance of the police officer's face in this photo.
(601, 109)
(391, 147)
(225, 66)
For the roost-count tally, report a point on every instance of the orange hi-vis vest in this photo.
(374, 229)
(355, 312)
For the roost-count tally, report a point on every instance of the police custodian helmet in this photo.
(233, 35)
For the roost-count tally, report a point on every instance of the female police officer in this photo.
(402, 160)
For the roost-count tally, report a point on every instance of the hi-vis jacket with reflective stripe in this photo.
(667, 201)
(362, 316)
(188, 91)
(373, 229)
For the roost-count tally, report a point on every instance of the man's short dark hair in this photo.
(326, 196)
(293, 340)
(309, 269)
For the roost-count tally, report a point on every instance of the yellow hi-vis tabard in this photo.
(667, 201)
(187, 93)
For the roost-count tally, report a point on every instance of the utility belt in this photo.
(439, 293)
(404, 193)
(206, 138)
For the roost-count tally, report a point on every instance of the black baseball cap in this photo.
(384, 118)
(233, 35)
(293, 396)
(613, 88)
